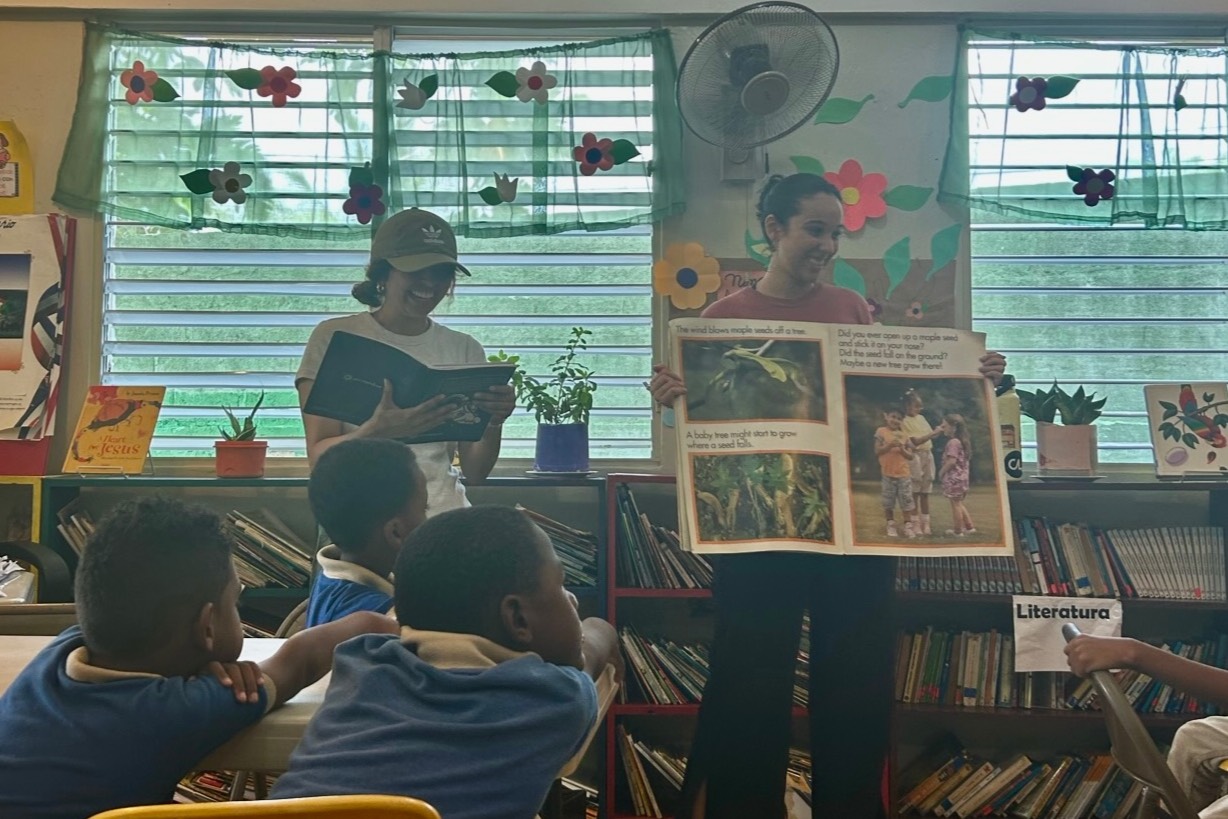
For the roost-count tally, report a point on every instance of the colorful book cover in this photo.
(1189, 428)
(114, 430)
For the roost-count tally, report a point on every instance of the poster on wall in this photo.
(35, 254)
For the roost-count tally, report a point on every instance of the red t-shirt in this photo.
(827, 304)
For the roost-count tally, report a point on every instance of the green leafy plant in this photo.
(1074, 409)
(245, 431)
(564, 398)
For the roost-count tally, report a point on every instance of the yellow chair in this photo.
(315, 807)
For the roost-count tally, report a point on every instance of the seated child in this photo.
(1199, 746)
(367, 494)
(116, 710)
(488, 693)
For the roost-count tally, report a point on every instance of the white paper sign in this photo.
(1039, 644)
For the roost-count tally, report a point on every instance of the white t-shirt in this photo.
(917, 426)
(438, 345)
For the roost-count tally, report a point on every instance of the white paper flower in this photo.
(505, 188)
(535, 83)
(412, 97)
(228, 184)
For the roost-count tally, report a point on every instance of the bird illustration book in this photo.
(114, 430)
(1189, 428)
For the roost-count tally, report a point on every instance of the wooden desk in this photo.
(265, 746)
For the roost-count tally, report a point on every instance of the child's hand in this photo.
(243, 676)
(1085, 654)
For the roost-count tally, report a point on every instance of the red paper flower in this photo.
(1029, 94)
(862, 194)
(279, 84)
(594, 154)
(915, 311)
(139, 83)
(365, 202)
(1094, 186)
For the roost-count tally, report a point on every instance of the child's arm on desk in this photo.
(308, 655)
(1086, 654)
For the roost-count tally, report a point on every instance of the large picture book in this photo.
(114, 430)
(797, 436)
(350, 384)
(1189, 428)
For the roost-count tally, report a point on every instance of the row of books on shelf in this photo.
(576, 549)
(1066, 787)
(214, 786)
(654, 776)
(969, 575)
(662, 672)
(650, 556)
(977, 670)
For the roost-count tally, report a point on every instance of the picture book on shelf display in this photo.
(1189, 428)
(114, 430)
(817, 437)
(350, 384)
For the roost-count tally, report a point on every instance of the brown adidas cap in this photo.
(415, 239)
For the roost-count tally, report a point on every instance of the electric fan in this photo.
(756, 74)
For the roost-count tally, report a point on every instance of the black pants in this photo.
(742, 739)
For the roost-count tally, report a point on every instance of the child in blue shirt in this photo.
(487, 695)
(115, 710)
(367, 494)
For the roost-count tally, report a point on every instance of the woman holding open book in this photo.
(741, 748)
(413, 268)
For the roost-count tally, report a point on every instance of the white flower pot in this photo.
(1066, 450)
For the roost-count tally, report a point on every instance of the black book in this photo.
(351, 378)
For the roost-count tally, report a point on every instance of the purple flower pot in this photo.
(561, 448)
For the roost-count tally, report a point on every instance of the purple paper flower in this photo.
(1095, 186)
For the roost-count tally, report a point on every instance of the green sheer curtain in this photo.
(426, 130)
(1154, 118)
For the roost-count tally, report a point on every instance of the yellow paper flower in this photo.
(686, 274)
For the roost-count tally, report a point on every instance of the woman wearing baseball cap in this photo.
(413, 267)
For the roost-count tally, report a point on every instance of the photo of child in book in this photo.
(116, 710)
(493, 688)
(954, 475)
(895, 451)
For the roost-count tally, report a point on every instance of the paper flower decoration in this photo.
(279, 84)
(1029, 94)
(366, 198)
(503, 190)
(915, 311)
(1093, 186)
(876, 310)
(861, 193)
(144, 85)
(595, 154)
(226, 184)
(534, 83)
(413, 96)
(686, 274)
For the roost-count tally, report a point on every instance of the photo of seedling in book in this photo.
(753, 379)
(777, 495)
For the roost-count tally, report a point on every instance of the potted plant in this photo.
(1068, 448)
(561, 404)
(239, 454)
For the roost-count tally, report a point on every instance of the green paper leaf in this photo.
(907, 197)
(839, 110)
(1179, 102)
(1221, 420)
(1169, 409)
(163, 91)
(808, 164)
(490, 196)
(504, 84)
(757, 249)
(944, 247)
(845, 275)
(1060, 86)
(198, 181)
(247, 78)
(930, 89)
(429, 85)
(622, 151)
(1190, 440)
(896, 261)
(361, 176)
(1074, 174)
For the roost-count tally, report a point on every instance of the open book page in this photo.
(795, 436)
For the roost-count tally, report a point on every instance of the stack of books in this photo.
(75, 525)
(576, 549)
(214, 786)
(651, 556)
(267, 552)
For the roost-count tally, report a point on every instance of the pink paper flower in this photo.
(365, 202)
(594, 154)
(139, 83)
(279, 84)
(876, 309)
(1094, 187)
(915, 311)
(1029, 94)
(861, 193)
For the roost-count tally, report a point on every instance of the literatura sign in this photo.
(1039, 644)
